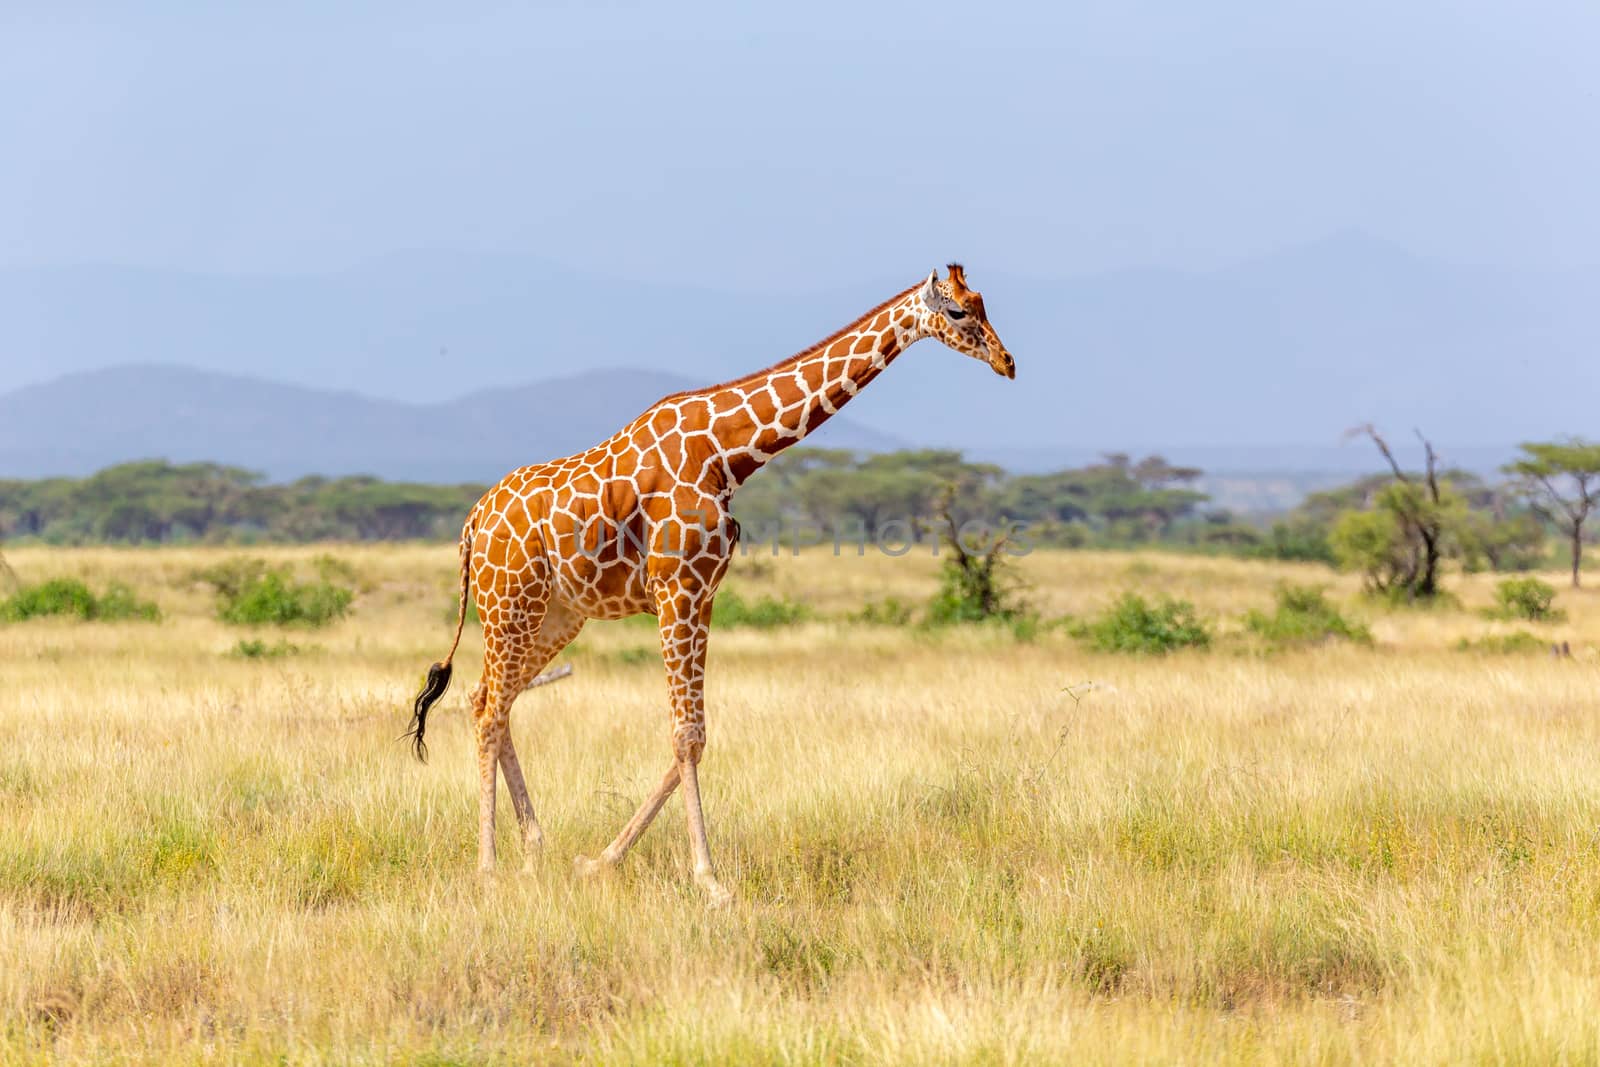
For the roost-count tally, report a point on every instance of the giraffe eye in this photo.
(956, 314)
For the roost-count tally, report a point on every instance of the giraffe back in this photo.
(600, 529)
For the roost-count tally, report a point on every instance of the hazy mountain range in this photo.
(396, 366)
(82, 422)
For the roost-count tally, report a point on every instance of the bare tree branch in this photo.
(1433, 465)
(563, 671)
(1383, 446)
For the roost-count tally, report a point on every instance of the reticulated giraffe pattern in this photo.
(641, 523)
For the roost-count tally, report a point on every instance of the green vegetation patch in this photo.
(1135, 625)
(1519, 642)
(1304, 616)
(1528, 599)
(763, 613)
(72, 598)
(251, 593)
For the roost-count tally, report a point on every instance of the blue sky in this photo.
(765, 146)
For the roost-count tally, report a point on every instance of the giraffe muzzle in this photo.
(1003, 364)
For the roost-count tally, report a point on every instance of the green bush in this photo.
(1304, 616)
(59, 596)
(765, 613)
(120, 602)
(1134, 625)
(250, 593)
(1526, 598)
(978, 591)
(71, 597)
(1520, 642)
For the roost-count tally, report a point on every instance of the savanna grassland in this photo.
(948, 845)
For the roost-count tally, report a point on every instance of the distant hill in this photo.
(82, 422)
(1290, 348)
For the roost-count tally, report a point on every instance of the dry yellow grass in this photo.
(1337, 855)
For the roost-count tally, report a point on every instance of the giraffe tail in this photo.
(439, 673)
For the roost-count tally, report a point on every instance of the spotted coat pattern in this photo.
(641, 523)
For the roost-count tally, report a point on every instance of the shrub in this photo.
(69, 596)
(59, 596)
(1526, 598)
(250, 593)
(1520, 642)
(1133, 625)
(1304, 616)
(976, 580)
(766, 613)
(120, 602)
(976, 588)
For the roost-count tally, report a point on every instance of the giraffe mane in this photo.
(806, 351)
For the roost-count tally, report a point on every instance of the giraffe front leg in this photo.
(717, 895)
(685, 626)
(637, 825)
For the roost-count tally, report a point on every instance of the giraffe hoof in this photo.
(717, 896)
(584, 867)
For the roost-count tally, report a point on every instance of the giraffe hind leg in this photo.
(520, 661)
(532, 832)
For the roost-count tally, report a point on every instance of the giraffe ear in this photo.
(930, 290)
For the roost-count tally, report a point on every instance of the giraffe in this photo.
(641, 523)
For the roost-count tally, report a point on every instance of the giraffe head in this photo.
(954, 314)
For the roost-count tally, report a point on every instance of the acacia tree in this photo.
(975, 580)
(1562, 482)
(1400, 545)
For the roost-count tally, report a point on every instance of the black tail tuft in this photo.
(438, 681)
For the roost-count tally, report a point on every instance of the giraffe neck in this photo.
(760, 415)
